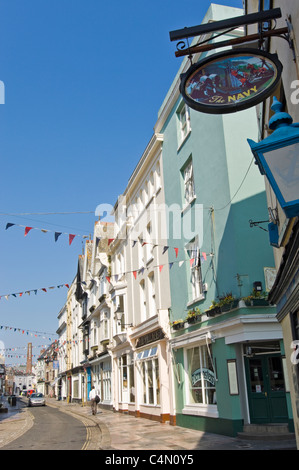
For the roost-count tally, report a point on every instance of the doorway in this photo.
(266, 388)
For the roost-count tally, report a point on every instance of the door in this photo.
(266, 389)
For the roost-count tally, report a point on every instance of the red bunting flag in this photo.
(108, 279)
(160, 267)
(110, 240)
(45, 290)
(71, 238)
(176, 252)
(66, 285)
(204, 255)
(135, 274)
(27, 230)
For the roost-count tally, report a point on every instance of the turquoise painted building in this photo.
(228, 360)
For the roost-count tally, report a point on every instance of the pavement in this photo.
(110, 431)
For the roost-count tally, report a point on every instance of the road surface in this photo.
(52, 430)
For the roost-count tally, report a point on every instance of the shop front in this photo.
(232, 375)
(265, 369)
(142, 377)
(102, 378)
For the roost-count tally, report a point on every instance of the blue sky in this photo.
(84, 81)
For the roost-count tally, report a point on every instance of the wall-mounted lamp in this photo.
(277, 157)
(119, 316)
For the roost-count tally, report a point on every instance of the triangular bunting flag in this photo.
(108, 279)
(170, 265)
(160, 267)
(165, 249)
(135, 274)
(110, 240)
(191, 262)
(181, 263)
(176, 252)
(27, 230)
(71, 238)
(8, 225)
(66, 285)
(57, 234)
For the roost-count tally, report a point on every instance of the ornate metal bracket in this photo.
(263, 33)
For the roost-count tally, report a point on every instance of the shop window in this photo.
(150, 376)
(201, 378)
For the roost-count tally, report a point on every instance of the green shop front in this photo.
(230, 371)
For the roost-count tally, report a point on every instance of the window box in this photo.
(177, 324)
(213, 311)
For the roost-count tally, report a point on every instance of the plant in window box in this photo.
(228, 302)
(193, 315)
(256, 299)
(213, 310)
(177, 324)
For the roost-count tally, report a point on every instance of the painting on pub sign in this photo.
(230, 81)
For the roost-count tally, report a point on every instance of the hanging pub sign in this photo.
(231, 81)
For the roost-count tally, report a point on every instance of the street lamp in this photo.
(120, 316)
(277, 157)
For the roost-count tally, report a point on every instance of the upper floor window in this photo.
(184, 122)
(189, 188)
(195, 275)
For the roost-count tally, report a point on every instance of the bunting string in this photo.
(71, 236)
(195, 259)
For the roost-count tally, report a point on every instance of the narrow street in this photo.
(63, 426)
(51, 430)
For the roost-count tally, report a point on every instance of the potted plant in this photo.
(214, 309)
(193, 315)
(228, 302)
(177, 324)
(256, 299)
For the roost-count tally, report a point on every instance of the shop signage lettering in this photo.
(207, 375)
(231, 81)
(156, 335)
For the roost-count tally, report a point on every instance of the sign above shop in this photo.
(231, 81)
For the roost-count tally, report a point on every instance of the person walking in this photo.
(94, 399)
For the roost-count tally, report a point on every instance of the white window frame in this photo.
(183, 115)
(204, 408)
(195, 270)
(189, 186)
(152, 294)
(146, 357)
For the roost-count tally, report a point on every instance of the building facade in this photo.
(140, 296)
(220, 264)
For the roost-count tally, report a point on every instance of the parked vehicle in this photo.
(30, 392)
(24, 393)
(37, 399)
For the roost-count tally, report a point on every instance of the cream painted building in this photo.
(140, 294)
